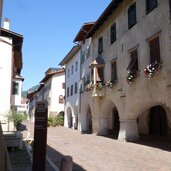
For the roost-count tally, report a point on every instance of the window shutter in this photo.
(113, 71)
(132, 15)
(133, 65)
(113, 33)
(154, 50)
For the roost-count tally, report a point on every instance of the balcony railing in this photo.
(96, 89)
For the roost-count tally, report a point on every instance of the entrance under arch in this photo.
(89, 121)
(158, 121)
(113, 123)
(153, 122)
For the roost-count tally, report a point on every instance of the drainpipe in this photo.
(1, 5)
(170, 8)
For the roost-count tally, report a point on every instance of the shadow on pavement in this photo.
(163, 143)
(56, 157)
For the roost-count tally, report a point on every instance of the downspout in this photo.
(79, 92)
(80, 89)
(170, 8)
(12, 74)
(1, 6)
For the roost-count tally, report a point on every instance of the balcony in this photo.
(96, 89)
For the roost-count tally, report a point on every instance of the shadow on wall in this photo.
(56, 157)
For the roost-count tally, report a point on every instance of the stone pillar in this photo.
(66, 163)
(75, 122)
(128, 130)
(96, 116)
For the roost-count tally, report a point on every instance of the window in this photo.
(67, 91)
(76, 87)
(154, 46)
(76, 66)
(63, 85)
(83, 53)
(61, 99)
(68, 72)
(100, 45)
(72, 69)
(15, 88)
(87, 51)
(100, 74)
(71, 90)
(113, 33)
(132, 16)
(150, 5)
(133, 65)
(113, 71)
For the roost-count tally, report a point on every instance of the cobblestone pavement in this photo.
(97, 153)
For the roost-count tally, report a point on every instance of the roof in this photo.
(99, 61)
(107, 12)
(83, 31)
(70, 55)
(17, 47)
(31, 94)
(19, 77)
(50, 74)
(52, 70)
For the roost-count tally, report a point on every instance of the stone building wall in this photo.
(133, 100)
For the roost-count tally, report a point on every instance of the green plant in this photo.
(17, 118)
(55, 120)
(60, 120)
(51, 121)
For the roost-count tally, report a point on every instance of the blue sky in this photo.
(48, 28)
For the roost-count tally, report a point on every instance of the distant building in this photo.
(51, 89)
(10, 68)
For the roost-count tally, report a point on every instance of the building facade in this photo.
(10, 68)
(71, 63)
(129, 87)
(51, 89)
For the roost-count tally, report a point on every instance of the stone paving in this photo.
(97, 153)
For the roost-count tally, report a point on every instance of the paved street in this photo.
(96, 153)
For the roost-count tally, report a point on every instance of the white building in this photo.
(71, 63)
(32, 98)
(52, 89)
(10, 68)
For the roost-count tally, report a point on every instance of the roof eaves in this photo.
(107, 12)
(70, 54)
(83, 30)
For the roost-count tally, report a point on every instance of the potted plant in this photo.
(111, 83)
(151, 69)
(131, 76)
(89, 87)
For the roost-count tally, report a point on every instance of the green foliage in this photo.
(17, 118)
(55, 121)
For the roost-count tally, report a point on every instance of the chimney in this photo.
(6, 23)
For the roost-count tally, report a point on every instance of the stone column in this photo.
(96, 116)
(128, 130)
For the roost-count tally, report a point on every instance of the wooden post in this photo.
(40, 136)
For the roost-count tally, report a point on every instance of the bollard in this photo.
(66, 163)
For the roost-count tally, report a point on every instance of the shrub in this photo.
(55, 120)
(60, 120)
(17, 118)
